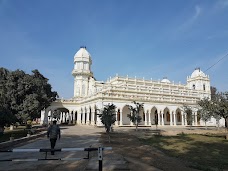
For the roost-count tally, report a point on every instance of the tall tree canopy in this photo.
(25, 95)
(217, 106)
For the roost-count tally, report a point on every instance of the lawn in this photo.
(204, 152)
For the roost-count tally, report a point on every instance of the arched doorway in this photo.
(178, 117)
(125, 112)
(154, 116)
(166, 116)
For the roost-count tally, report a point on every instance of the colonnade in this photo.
(88, 116)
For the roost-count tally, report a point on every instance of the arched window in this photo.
(194, 86)
(204, 88)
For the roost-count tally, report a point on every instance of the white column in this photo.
(69, 118)
(159, 118)
(171, 119)
(196, 122)
(44, 117)
(145, 122)
(149, 118)
(79, 121)
(185, 119)
(182, 118)
(92, 116)
(121, 118)
(87, 117)
(61, 117)
(162, 115)
(131, 123)
(174, 119)
(193, 118)
(64, 117)
(83, 118)
(74, 117)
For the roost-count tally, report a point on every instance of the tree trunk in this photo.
(206, 124)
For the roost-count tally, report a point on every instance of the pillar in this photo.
(145, 122)
(92, 116)
(121, 117)
(185, 119)
(193, 118)
(131, 123)
(182, 118)
(162, 117)
(159, 118)
(87, 117)
(149, 118)
(83, 118)
(171, 119)
(196, 121)
(79, 121)
(174, 119)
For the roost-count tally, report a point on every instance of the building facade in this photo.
(163, 100)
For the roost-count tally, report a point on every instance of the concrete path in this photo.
(72, 137)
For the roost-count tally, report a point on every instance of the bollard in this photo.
(100, 157)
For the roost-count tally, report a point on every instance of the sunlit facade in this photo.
(163, 100)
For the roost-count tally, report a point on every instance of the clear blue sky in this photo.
(143, 38)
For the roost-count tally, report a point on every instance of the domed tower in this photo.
(82, 72)
(199, 81)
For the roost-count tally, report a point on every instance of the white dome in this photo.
(165, 80)
(82, 52)
(197, 73)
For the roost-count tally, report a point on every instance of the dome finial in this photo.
(84, 47)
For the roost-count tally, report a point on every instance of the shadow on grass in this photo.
(205, 152)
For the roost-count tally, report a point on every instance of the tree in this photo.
(25, 95)
(6, 118)
(134, 116)
(108, 117)
(206, 110)
(220, 106)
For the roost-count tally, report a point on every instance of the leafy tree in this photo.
(108, 117)
(135, 111)
(206, 110)
(25, 95)
(6, 118)
(220, 106)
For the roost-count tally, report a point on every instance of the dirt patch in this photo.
(128, 145)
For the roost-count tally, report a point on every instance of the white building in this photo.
(162, 99)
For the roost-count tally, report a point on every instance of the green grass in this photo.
(204, 152)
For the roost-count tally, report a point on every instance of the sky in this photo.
(142, 38)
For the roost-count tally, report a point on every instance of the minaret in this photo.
(199, 81)
(82, 72)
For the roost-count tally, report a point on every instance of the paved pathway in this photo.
(72, 137)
